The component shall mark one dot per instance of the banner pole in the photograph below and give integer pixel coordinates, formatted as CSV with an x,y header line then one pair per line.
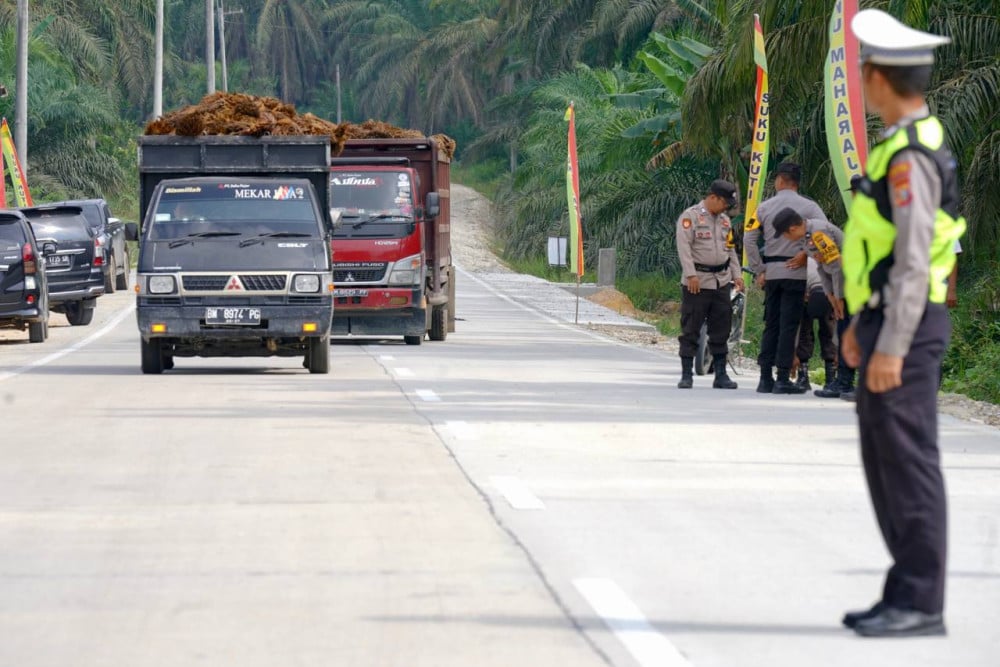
x,y
576,318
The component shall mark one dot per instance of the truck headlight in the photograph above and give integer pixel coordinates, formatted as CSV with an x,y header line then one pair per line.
x,y
161,285
406,271
305,283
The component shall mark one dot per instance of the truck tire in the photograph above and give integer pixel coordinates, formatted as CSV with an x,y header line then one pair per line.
x,y
80,313
38,332
413,340
439,323
109,277
152,356
121,282
318,355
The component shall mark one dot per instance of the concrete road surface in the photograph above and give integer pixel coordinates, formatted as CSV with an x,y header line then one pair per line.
x,y
523,494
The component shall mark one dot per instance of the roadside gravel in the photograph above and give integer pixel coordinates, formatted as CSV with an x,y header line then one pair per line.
x,y
472,231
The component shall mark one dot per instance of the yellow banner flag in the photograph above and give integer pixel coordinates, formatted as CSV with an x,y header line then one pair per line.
x,y
22,195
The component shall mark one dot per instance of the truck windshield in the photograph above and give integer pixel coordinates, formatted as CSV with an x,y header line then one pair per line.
x,y
382,199
233,209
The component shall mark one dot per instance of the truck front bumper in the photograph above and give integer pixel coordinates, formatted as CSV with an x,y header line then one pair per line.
x,y
188,322
380,311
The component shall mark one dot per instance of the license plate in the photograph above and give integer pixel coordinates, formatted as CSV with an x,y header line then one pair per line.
x,y
350,292
244,316
58,260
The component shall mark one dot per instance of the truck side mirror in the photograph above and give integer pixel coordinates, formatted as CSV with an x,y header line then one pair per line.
x,y
131,231
433,207
336,216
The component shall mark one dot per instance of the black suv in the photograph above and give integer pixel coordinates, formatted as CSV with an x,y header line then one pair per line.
x,y
24,299
111,234
73,260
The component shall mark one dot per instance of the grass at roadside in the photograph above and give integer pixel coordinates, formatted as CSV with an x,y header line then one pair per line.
x,y
483,177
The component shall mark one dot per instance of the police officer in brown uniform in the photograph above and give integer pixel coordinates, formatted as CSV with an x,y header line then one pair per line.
x,y
709,265
899,249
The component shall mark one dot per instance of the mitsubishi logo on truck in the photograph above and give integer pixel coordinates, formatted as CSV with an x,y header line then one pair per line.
x,y
234,284
349,278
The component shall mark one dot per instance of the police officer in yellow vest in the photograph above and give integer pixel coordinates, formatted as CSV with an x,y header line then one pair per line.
x,y
899,249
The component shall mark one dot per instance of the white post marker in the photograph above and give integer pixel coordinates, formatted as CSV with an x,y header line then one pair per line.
x,y
649,647
517,493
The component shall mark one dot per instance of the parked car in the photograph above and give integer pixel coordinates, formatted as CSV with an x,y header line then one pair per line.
x,y
111,233
24,302
74,260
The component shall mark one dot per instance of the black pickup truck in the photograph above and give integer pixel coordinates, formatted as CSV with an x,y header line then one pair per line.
x,y
112,235
234,256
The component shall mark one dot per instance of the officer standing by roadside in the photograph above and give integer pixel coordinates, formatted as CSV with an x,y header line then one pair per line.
x,y
709,265
781,271
899,250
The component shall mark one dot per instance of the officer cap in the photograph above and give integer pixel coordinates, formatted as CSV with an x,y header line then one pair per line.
x,y
886,41
725,190
785,220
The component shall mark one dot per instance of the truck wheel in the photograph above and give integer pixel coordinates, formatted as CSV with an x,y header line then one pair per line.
x,y
80,313
439,323
121,282
38,332
152,356
109,277
414,340
318,355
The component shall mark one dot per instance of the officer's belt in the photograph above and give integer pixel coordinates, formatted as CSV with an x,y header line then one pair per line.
x,y
776,258
705,268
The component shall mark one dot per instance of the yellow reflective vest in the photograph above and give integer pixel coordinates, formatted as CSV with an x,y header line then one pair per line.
x,y
870,234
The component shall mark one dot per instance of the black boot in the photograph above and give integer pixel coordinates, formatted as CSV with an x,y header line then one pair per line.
x,y
687,373
847,387
722,380
833,382
784,385
803,379
766,384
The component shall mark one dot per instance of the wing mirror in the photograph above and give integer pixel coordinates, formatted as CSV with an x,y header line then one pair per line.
x,y
433,207
336,218
131,231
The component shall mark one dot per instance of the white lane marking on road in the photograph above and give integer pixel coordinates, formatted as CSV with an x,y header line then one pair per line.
x,y
387,357
462,430
428,395
403,372
72,348
649,647
517,493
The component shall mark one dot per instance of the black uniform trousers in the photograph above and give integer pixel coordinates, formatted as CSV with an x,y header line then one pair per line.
x,y
842,326
710,304
899,449
782,313
817,314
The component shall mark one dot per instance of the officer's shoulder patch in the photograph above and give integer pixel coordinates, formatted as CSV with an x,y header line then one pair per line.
x,y
751,224
826,247
899,183
686,222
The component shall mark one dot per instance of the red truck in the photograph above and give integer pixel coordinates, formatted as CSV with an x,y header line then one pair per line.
x,y
393,272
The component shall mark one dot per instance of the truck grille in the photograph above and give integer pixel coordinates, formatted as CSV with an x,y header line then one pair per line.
x,y
357,275
251,282
263,283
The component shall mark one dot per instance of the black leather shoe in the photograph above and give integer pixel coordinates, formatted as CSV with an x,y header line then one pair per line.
x,y
849,396
765,386
723,381
686,382
783,386
831,390
851,618
892,622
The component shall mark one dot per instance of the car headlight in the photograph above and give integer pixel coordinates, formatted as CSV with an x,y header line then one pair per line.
x,y
161,285
305,283
406,271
